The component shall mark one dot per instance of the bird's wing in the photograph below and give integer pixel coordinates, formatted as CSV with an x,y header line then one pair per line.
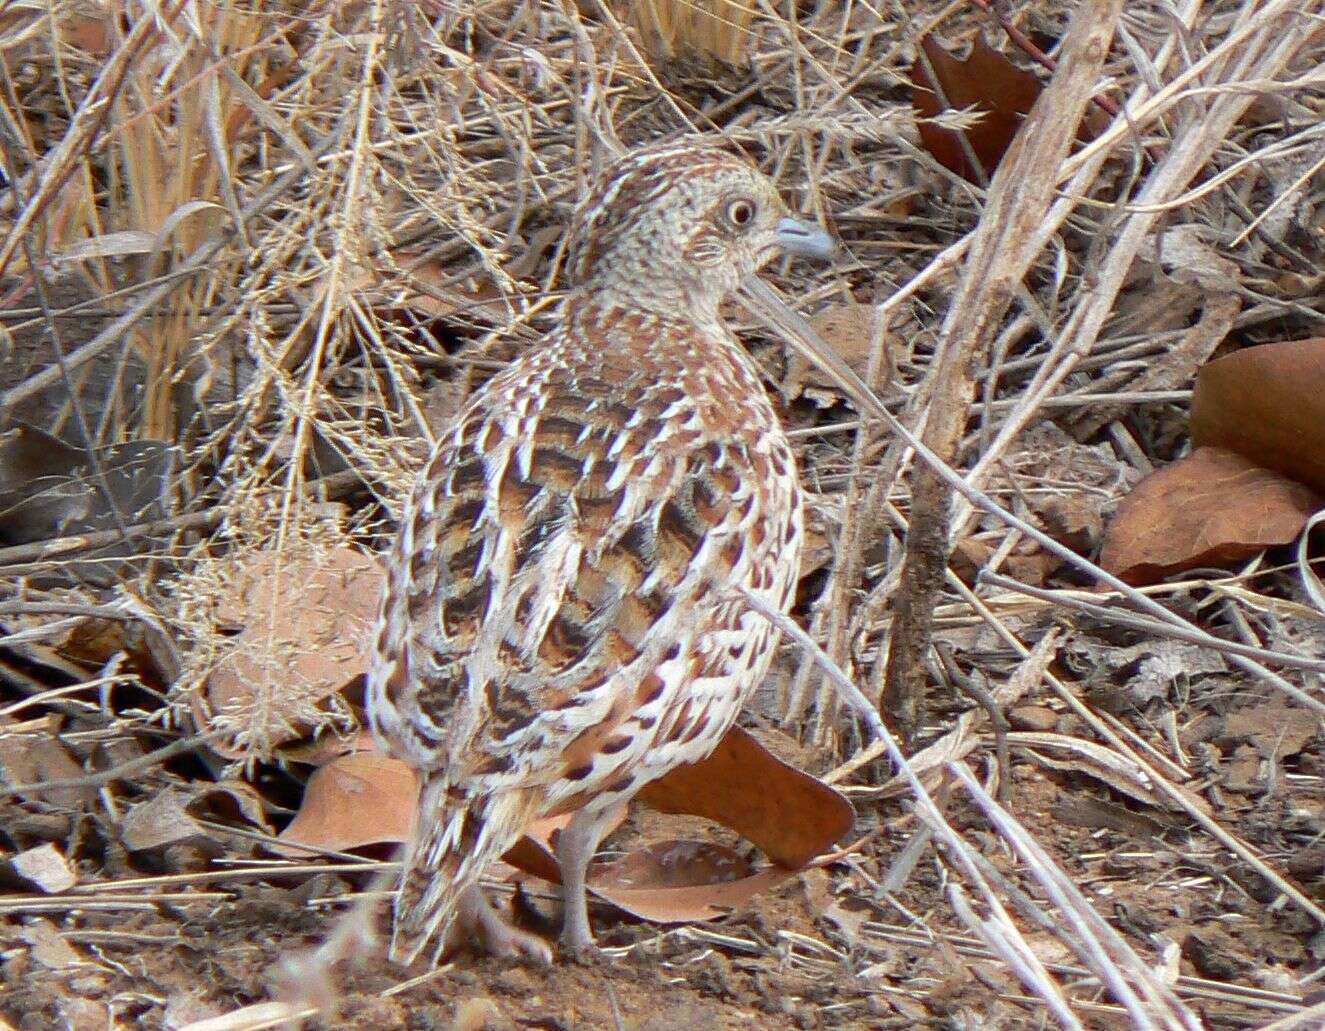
x,y
567,546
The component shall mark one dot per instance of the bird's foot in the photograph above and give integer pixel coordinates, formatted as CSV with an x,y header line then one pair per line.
x,y
498,936
589,955
577,942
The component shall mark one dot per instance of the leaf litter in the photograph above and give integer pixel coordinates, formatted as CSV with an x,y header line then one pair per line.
x,y
287,376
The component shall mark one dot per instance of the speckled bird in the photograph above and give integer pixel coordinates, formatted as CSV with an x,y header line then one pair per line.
x,y
559,626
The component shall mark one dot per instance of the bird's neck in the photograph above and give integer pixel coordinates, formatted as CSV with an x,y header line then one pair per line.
x,y
634,290
612,322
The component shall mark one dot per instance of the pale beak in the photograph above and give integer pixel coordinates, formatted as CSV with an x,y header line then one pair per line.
x,y
804,238
764,302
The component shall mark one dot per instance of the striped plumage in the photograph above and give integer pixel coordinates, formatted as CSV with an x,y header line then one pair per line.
x,y
559,627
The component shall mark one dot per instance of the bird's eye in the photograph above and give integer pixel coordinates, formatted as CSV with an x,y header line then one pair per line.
x,y
740,213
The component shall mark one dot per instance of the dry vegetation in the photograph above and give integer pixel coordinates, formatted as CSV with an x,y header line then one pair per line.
x,y
254,255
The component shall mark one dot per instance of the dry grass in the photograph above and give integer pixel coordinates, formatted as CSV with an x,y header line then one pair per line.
x,y
288,239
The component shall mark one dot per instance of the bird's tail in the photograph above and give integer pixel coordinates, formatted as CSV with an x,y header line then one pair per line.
x,y
455,839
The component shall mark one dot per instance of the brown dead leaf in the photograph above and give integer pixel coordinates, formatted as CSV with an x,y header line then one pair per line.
x,y
50,488
161,821
849,330
1184,253
986,81
1122,773
1272,726
1267,403
1212,507
667,882
24,28
849,917
322,749
675,881
304,623
407,285
172,817
480,1014
790,815
33,756
231,800
366,798
994,87
433,290
673,864
1073,518
90,33
363,798
816,552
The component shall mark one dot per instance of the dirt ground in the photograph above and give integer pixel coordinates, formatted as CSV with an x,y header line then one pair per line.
x,y
826,950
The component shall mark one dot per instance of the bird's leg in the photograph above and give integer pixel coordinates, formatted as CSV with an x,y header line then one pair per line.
x,y
477,916
576,845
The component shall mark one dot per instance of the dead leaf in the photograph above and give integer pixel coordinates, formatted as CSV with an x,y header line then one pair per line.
x,y
161,821
367,798
50,488
230,799
673,864
305,623
189,1007
320,750
1275,728
791,816
1176,366
678,881
1182,251
849,330
45,867
37,757
172,817
1097,814
848,921
363,798
1076,755
480,1014
1073,518
417,283
988,82
24,28
1267,403
1150,670
434,291
90,33
657,882
1212,507
49,948
816,552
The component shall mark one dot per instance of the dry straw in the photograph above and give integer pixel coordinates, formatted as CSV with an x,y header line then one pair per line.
x,y
289,238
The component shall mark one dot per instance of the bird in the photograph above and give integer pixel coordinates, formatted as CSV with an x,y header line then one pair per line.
x,y
560,624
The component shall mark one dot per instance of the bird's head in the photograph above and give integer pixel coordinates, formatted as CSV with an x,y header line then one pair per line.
x,y
683,223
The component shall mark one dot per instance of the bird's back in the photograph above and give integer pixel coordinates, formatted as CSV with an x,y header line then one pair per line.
x,y
560,614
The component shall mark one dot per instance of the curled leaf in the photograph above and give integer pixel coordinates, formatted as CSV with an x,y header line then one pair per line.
x,y
986,81
1212,507
790,815
364,798
1267,403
